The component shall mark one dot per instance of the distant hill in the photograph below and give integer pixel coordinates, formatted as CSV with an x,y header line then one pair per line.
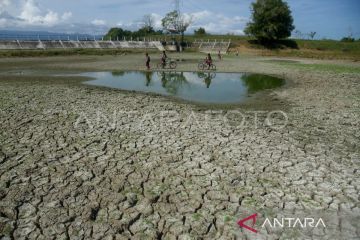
x,y
43,35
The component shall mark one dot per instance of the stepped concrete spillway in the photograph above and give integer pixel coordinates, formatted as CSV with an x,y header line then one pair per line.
x,y
59,44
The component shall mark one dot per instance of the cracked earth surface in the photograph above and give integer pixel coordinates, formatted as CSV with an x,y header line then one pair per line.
x,y
79,162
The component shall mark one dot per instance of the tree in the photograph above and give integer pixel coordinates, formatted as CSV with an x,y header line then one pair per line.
x,y
312,34
348,39
144,31
298,34
200,31
117,33
271,20
176,23
148,23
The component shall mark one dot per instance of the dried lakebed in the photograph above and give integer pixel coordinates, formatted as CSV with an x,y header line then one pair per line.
x,y
83,162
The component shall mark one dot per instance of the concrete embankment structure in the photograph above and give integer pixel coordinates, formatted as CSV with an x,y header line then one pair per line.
x,y
206,47
213,47
59,44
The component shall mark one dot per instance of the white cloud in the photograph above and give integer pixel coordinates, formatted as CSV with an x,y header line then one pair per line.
x,y
135,25
4,4
30,12
3,22
31,15
218,23
66,16
98,22
157,20
201,15
6,19
51,18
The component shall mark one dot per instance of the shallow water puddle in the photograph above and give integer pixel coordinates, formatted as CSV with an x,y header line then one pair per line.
x,y
203,87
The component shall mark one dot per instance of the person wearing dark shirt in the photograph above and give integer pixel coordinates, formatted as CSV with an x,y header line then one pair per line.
x,y
208,60
163,58
147,58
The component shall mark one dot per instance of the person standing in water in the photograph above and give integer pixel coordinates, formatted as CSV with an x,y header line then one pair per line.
x,y
147,58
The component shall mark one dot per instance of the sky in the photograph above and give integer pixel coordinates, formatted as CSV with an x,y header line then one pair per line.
x,y
328,18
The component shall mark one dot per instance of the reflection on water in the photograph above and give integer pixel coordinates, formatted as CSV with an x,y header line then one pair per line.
x,y
207,76
206,87
258,82
173,82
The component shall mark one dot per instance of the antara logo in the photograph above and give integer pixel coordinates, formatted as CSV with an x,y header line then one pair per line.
x,y
241,223
282,223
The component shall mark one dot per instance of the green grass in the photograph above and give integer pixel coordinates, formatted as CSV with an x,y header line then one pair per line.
x,y
321,49
196,216
329,45
228,219
249,201
320,45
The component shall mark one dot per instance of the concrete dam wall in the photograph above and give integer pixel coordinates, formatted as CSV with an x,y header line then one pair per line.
x,y
59,44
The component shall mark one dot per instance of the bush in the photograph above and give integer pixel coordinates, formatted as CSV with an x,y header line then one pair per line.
x,y
119,33
348,39
200,31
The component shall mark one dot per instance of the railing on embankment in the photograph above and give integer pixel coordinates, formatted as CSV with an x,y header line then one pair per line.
x,y
70,44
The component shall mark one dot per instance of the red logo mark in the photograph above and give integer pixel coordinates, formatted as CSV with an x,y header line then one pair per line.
x,y
253,217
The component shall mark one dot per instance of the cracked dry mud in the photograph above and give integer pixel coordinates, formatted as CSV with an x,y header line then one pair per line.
x,y
79,162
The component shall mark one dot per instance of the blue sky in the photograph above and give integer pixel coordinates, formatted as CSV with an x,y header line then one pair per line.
x,y
329,18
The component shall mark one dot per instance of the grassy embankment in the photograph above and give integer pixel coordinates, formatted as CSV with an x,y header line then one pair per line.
x,y
319,49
